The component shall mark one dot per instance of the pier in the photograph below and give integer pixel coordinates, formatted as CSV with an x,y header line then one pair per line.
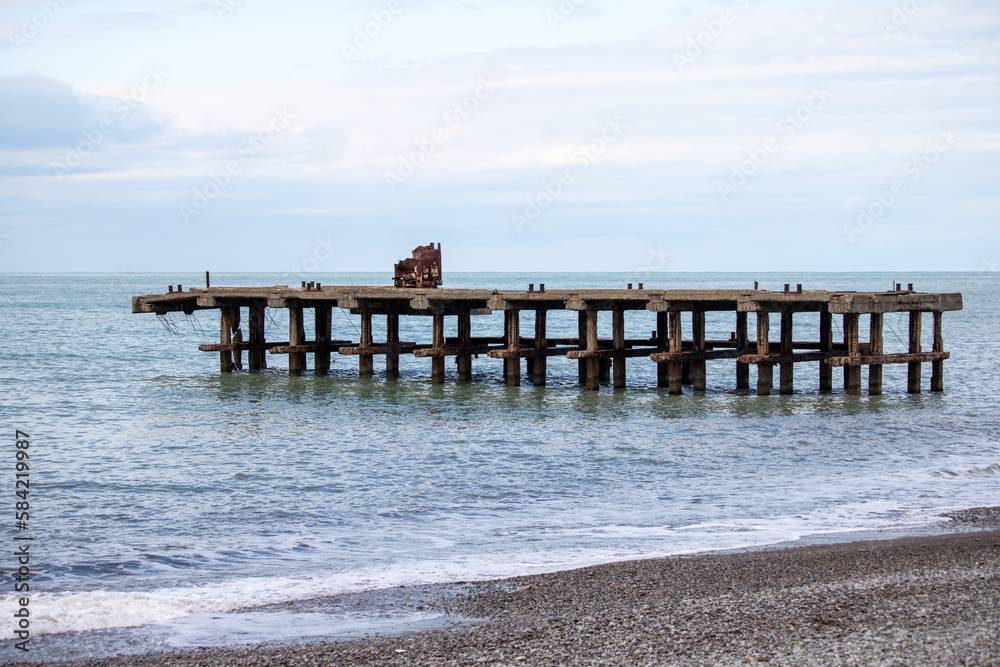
x,y
679,361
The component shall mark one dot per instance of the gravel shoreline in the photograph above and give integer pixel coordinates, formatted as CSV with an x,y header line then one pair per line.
x,y
915,600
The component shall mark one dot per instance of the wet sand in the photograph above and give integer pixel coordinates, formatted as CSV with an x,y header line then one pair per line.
x,y
927,600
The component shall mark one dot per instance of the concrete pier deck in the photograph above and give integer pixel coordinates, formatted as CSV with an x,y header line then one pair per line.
x,y
679,361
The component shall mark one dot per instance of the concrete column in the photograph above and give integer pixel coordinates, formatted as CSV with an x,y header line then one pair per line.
x,y
765,372
237,333
321,358
512,333
937,367
674,372
538,368
851,334
258,356
437,363
618,343
663,342
825,345
847,369
296,336
392,338
581,322
876,347
787,370
228,315
366,362
742,370
699,380
464,360
593,364
913,374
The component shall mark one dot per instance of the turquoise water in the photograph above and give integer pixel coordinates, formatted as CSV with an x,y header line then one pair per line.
x,y
163,491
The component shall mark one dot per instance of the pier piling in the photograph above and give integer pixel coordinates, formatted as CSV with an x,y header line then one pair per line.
x,y
786,381
662,342
464,359
593,363
229,320
742,369
826,347
699,368
765,369
876,348
366,360
296,340
437,361
392,345
852,372
676,376
618,345
913,371
258,345
512,365
541,344
937,366
323,327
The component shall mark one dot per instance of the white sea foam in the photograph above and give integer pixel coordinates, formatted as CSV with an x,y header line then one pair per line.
x,y
93,610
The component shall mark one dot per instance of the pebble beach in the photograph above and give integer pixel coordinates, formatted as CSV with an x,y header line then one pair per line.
x,y
924,600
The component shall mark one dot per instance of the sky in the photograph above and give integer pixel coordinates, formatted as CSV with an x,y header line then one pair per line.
x,y
524,135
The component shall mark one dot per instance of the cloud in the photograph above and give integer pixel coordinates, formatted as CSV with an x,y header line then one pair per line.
x,y
121,21
40,112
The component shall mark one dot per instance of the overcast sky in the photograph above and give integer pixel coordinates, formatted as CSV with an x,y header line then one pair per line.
x,y
594,135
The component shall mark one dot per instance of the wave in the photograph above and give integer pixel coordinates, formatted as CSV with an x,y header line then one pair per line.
x,y
61,612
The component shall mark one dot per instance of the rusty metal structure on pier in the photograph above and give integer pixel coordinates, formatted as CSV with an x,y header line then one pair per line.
x,y
678,360
421,270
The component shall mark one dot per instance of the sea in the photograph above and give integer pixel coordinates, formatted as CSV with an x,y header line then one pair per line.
x,y
173,506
